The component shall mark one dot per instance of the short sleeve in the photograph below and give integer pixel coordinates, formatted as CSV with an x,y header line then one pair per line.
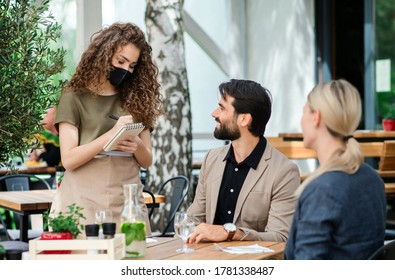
x,y
67,110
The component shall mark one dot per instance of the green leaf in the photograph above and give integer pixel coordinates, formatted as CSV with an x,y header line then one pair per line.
x,y
66,222
27,86
133,231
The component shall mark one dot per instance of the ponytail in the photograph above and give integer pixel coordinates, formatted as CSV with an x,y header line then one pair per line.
x,y
340,106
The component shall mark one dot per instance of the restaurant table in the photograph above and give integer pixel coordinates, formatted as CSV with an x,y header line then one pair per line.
x,y
27,203
390,189
360,135
165,249
37,170
372,149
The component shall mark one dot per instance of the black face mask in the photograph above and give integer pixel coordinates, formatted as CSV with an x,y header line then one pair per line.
x,y
118,76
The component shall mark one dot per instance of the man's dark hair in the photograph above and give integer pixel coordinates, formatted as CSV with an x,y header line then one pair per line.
x,y
250,97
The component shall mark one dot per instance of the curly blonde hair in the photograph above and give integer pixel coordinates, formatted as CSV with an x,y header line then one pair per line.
x,y
141,95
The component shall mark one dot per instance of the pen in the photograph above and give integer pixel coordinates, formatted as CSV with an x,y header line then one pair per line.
x,y
112,116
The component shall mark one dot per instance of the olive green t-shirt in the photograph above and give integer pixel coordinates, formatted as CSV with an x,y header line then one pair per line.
x,y
89,113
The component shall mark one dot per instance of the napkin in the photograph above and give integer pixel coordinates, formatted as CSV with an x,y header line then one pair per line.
x,y
250,249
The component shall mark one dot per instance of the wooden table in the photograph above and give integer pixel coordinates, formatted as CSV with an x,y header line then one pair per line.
x,y
27,203
165,249
360,135
390,189
371,143
159,198
39,170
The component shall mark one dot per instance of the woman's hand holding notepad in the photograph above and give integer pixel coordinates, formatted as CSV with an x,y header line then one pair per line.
x,y
132,129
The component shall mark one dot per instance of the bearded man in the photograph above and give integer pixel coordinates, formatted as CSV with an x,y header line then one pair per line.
x,y
246,188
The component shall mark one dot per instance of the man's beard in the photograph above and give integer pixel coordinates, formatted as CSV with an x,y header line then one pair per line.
x,y
226,133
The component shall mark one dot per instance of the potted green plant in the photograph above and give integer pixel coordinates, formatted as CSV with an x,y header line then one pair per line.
x,y
389,118
63,225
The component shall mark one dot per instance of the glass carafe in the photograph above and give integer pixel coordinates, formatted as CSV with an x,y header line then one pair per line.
x,y
133,222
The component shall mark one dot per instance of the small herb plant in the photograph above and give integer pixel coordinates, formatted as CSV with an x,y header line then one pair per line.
x,y
390,112
66,222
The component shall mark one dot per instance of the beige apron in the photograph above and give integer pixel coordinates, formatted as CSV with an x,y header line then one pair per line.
x,y
97,185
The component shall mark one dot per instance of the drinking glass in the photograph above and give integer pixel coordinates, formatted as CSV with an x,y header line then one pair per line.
x,y
184,226
103,216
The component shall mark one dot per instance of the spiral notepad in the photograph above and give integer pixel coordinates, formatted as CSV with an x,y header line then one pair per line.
x,y
128,129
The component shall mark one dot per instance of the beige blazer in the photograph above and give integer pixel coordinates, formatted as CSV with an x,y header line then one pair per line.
x,y
266,202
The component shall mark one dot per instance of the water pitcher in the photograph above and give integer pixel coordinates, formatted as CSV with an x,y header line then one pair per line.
x,y
133,222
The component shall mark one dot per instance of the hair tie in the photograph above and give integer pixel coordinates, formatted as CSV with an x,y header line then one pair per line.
x,y
345,138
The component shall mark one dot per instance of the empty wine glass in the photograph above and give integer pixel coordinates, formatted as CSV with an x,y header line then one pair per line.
x,y
103,216
184,226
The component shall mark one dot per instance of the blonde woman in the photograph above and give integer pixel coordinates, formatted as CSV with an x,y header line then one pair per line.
x,y
341,210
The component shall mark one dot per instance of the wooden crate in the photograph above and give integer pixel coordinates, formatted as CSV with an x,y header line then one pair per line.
x,y
114,249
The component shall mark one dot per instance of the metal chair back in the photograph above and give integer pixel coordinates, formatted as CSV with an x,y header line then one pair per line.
x,y
386,252
21,182
151,206
180,187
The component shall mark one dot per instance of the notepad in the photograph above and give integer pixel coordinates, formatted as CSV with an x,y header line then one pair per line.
x,y
128,129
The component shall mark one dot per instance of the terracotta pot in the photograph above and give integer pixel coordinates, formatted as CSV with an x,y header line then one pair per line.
x,y
388,125
56,236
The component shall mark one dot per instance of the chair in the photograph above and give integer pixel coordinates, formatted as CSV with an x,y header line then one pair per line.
x,y
387,167
387,159
390,229
10,244
3,230
386,252
151,206
22,182
180,185
15,245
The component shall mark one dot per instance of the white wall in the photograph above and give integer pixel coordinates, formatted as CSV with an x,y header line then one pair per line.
x,y
204,75
124,11
281,52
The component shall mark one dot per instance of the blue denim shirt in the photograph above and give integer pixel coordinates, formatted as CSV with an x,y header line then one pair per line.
x,y
339,216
